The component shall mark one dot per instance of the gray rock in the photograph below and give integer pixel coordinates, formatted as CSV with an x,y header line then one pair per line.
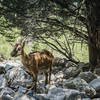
x,y
8,67
17,84
49,86
60,61
28,97
80,85
96,85
7,97
41,97
65,94
9,64
2,69
59,75
58,81
22,89
18,75
84,66
29,93
71,72
97,71
19,81
23,97
7,91
87,76
86,99
3,81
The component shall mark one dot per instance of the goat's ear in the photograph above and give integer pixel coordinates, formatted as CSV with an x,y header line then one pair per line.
x,y
23,44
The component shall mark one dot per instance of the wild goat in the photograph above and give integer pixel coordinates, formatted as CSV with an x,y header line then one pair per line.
x,y
35,62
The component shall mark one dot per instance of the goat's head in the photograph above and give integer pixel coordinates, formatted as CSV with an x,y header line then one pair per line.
x,y
18,48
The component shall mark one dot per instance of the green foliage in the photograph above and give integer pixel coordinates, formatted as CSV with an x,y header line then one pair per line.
x,y
9,32
78,52
46,21
5,47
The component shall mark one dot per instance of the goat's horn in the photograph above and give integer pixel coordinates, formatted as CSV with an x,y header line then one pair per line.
x,y
20,39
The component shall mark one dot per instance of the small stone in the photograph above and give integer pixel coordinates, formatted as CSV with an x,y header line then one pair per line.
x,y
48,87
22,89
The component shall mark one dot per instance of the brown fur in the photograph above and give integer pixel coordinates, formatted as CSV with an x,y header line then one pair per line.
x,y
39,61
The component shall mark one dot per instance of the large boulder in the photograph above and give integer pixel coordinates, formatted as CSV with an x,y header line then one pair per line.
x,y
65,94
72,71
81,85
60,61
68,82
9,64
16,77
96,85
59,64
87,76
28,97
7,93
68,68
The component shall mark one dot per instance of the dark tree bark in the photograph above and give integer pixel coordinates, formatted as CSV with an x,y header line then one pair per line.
x,y
93,17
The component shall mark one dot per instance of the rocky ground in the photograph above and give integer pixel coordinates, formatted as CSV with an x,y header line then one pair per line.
x,y
69,82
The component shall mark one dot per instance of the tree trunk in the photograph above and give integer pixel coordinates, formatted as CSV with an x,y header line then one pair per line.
x,y
93,26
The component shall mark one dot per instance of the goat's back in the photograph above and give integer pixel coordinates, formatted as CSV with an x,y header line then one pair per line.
x,y
43,59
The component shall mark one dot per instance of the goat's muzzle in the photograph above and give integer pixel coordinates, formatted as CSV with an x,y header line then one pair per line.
x,y
13,54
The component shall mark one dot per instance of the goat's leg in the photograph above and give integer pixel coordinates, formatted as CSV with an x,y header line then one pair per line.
x,y
50,71
46,78
35,84
35,79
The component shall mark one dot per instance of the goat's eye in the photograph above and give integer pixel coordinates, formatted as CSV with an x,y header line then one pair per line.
x,y
19,48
